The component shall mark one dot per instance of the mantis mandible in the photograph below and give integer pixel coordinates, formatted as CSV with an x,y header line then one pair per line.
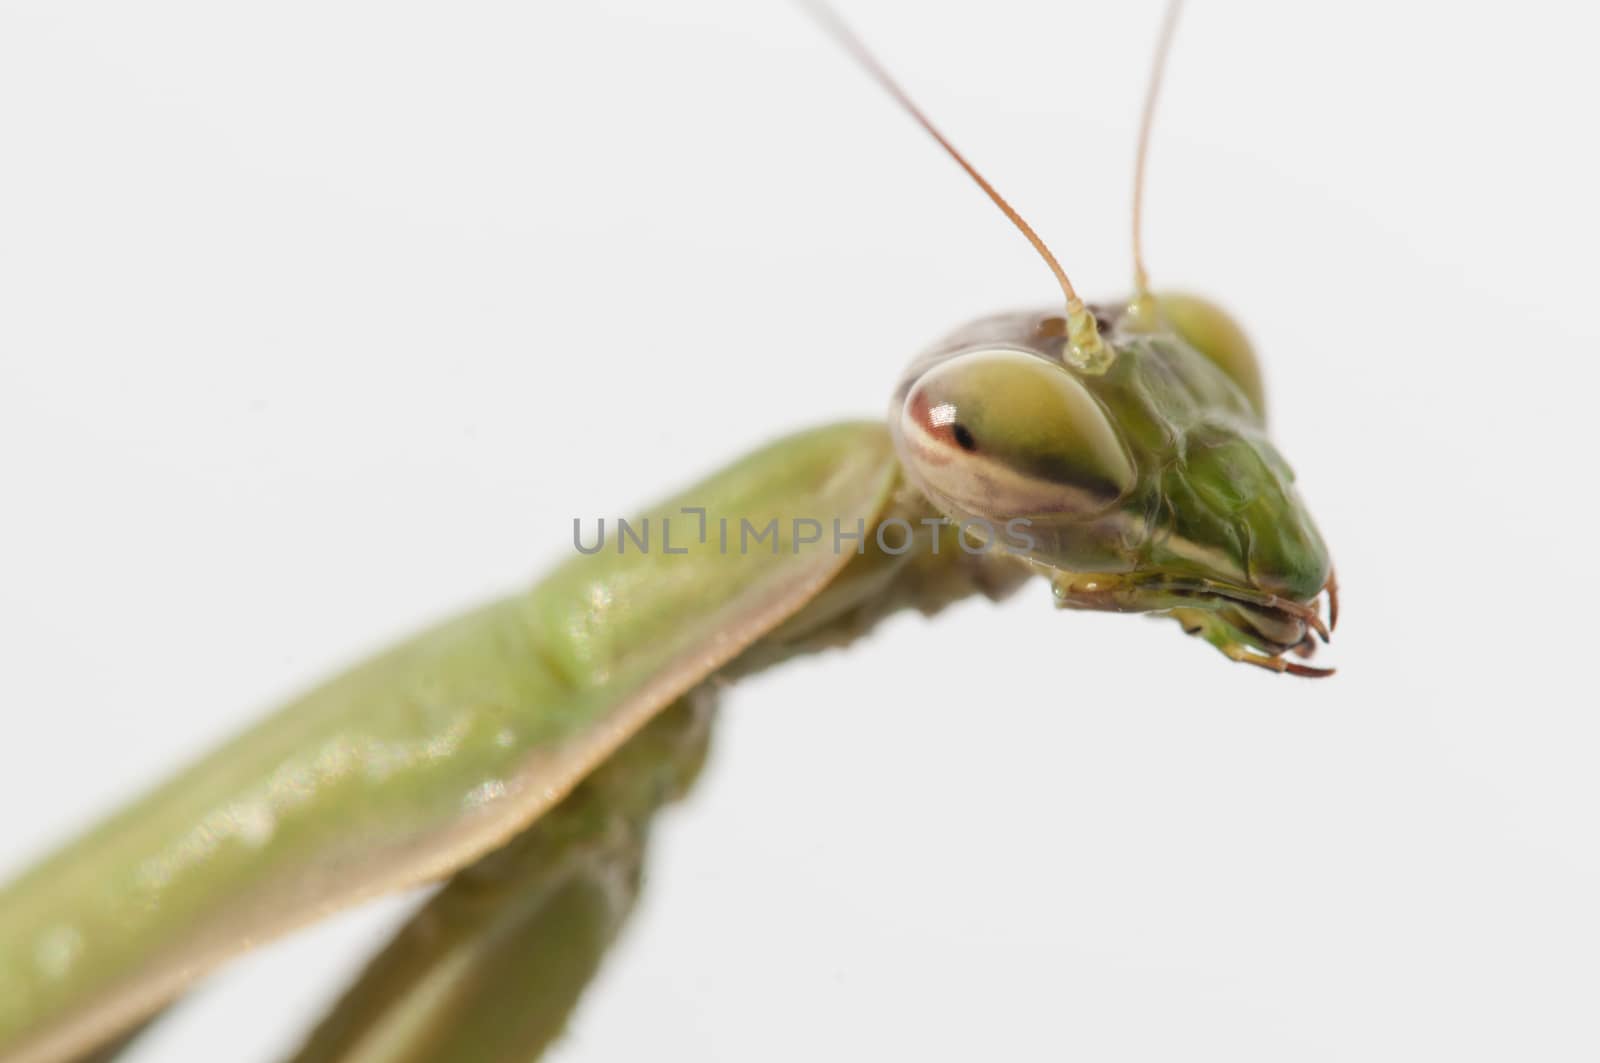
x,y
1117,450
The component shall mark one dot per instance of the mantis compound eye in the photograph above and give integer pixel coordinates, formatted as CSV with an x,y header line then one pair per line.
x,y
1209,329
1003,433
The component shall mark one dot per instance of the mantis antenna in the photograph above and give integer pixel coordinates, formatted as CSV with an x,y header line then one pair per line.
x,y
1082,333
1158,66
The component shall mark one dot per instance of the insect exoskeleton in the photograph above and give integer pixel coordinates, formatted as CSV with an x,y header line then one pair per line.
x,y
1140,482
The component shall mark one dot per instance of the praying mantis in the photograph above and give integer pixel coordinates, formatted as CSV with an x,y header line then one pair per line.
x,y
1118,451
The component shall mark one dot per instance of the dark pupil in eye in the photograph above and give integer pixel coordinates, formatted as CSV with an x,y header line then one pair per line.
x,y
964,438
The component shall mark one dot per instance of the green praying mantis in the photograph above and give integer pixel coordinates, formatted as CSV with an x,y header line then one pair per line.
x,y
520,751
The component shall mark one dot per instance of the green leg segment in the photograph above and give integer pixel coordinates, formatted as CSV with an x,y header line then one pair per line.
x,y
489,970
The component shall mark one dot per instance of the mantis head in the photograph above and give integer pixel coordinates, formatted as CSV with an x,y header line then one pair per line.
x,y
1121,450
1145,485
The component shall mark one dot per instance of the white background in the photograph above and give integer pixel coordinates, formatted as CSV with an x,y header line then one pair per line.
x,y
320,320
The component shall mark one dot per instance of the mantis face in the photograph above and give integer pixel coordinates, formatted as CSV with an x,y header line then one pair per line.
x,y
1147,485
